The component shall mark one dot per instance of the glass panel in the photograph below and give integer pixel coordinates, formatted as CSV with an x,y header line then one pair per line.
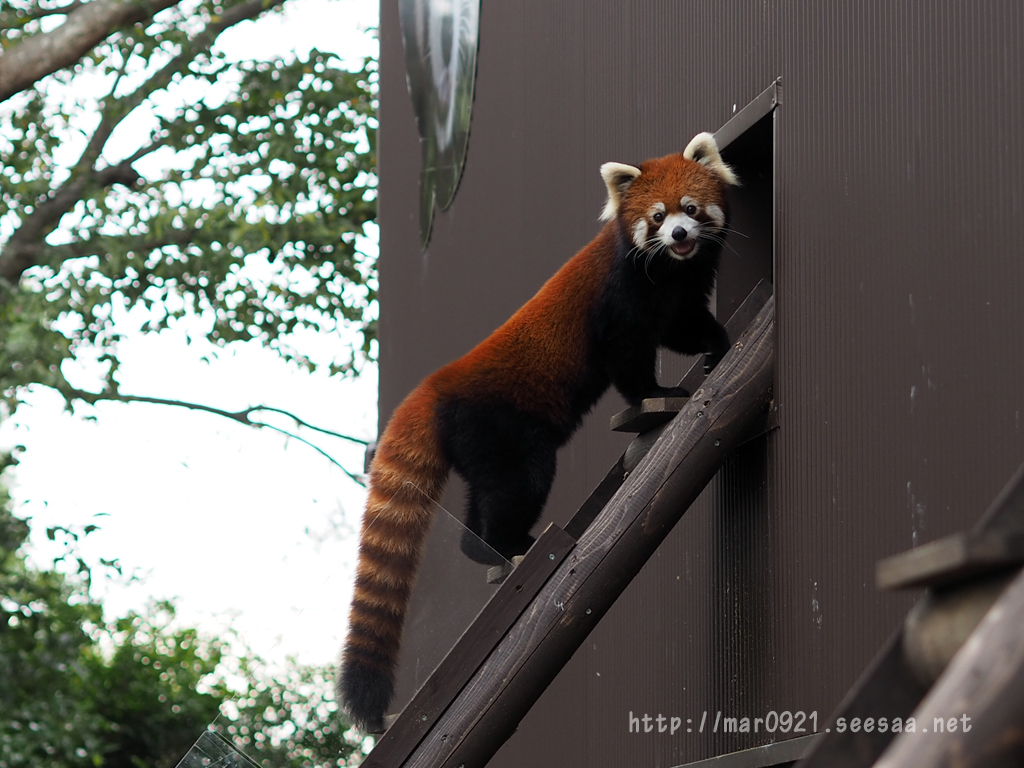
x,y
214,751
451,589
449,592
440,38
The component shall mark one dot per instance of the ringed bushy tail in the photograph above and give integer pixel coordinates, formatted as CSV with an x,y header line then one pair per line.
x,y
500,413
408,473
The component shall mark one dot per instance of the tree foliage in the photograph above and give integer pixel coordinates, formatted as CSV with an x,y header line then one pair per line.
x,y
154,174
146,177
82,691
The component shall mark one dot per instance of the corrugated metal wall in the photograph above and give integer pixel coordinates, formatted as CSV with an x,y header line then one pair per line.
x,y
899,284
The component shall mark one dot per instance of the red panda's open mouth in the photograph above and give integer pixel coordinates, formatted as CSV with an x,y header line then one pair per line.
x,y
684,248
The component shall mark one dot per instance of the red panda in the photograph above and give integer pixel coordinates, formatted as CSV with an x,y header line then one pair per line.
x,y
498,415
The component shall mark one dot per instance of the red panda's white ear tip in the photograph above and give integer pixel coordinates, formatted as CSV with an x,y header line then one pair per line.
x,y
617,177
703,149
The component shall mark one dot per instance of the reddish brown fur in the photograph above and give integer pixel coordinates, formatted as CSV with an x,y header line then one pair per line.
x,y
525,364
409,470
659,177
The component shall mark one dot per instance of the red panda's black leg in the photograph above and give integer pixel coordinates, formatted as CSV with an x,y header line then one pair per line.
x,y
633,374
698,332
508,487
507,459
471,545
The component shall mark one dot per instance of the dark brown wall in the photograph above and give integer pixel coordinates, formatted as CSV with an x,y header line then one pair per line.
x,y
899,284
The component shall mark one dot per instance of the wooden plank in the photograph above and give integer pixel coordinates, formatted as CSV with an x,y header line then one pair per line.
x,y
479,639
983,689
652,412
408,730
780,753
1006,513
607,557
614,478
887,689
889,680
948,560
597,500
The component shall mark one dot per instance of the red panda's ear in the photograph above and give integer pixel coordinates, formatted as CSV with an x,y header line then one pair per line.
x,y
704,150
617,177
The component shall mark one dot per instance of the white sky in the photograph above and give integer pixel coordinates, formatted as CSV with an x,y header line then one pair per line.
x,y
238,525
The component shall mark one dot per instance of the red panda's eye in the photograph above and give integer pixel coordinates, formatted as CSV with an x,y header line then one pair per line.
x,y
658,217
690,209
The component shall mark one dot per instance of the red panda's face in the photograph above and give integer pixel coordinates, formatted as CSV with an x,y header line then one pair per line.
x,y
676,213
674,205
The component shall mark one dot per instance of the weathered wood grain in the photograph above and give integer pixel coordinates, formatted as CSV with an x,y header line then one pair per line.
x,y
889,687
607,556
950,560
434,696
983,689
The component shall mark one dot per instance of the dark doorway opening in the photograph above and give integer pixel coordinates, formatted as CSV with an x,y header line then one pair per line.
x,y
747,143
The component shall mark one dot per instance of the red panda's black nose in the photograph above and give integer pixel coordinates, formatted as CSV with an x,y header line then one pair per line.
x,y
679,234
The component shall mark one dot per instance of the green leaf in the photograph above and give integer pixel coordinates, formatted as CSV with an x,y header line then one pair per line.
x,y
254,224
139,689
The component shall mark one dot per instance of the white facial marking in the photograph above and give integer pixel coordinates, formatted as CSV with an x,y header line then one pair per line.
x,y
656,208
664,235
640,233
687,200
717,215
688,223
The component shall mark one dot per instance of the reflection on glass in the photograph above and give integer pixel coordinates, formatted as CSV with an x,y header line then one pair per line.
x,y
440,39
213,751
450,591
287,719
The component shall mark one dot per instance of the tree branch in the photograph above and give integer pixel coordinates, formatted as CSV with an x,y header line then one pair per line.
x,y
63,10
22,249
41,253
201,43
28,242
354,478
85,27
243,417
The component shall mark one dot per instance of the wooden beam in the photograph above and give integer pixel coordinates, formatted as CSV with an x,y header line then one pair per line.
x,y
887,689
780,753
602,494
652,412
607,556
479,639
890,688
1006,514
950,560
982,689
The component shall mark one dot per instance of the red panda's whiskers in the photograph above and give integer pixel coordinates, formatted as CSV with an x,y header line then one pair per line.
x,y
716,237
633,253
725,229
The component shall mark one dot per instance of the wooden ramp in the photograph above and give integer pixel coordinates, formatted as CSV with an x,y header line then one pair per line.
x,y
550,602
956,665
